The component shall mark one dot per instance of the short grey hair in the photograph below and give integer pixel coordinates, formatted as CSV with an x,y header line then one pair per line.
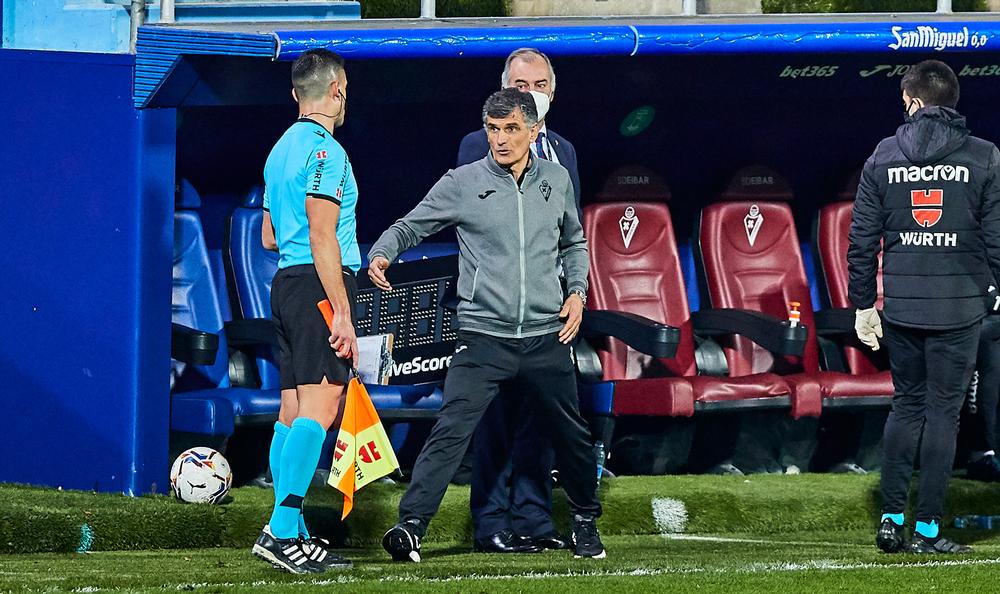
x,y
506,101
530,54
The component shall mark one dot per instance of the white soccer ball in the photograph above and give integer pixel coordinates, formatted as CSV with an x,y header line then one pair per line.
x,y
201,475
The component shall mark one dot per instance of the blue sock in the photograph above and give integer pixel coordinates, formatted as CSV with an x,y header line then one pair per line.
x,y
303,532
277,444
897,519
928,529
298,464
274,457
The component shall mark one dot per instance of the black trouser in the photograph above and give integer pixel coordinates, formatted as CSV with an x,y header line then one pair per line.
x,y
981,425
542,368
512,476
931,370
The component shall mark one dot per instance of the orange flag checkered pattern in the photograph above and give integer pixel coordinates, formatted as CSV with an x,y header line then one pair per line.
x,y
363,453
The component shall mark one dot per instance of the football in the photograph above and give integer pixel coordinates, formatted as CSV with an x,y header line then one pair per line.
x,y
201,475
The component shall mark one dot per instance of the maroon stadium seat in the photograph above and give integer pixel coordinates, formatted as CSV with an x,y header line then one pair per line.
x,y
635,268
750,258
833,222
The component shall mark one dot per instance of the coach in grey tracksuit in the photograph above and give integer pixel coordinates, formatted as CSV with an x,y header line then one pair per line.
x,y
511,232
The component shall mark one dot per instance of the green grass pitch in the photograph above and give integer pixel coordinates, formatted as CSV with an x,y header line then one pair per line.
x,y
769,534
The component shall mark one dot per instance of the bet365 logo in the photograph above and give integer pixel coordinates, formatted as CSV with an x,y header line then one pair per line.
x,y
808,72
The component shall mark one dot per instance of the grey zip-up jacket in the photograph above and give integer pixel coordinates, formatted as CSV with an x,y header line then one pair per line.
x,y
510,240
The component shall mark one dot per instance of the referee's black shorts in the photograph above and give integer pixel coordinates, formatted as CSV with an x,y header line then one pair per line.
x,y
303,336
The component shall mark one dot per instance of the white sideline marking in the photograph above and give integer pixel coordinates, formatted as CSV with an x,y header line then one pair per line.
x,y
758,541
670,515
776,567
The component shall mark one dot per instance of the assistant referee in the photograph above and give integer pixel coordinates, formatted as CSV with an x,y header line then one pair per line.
x,y
309,202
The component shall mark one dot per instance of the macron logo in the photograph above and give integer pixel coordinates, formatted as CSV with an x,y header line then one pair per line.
x,y
959,173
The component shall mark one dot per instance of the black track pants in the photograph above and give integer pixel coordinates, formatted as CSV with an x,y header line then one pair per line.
x,y
931,370
541,367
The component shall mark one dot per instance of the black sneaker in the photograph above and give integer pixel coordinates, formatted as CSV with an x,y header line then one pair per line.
x,y
586,539
402,542
847,468
939,545
319,551
286,554
552,541
725,468
889,537
986,469
505,541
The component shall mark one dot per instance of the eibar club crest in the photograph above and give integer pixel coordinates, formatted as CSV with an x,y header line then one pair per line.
x,y
752,223
546,189
627,224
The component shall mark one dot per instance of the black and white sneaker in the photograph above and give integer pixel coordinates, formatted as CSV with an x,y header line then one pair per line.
x,y
939,545
319,551
286,554
586,539
889,537
402,542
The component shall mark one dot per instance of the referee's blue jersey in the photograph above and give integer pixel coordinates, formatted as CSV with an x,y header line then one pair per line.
x,y
307,161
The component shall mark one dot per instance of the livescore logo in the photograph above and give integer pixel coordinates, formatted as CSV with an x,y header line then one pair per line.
x,y
420,364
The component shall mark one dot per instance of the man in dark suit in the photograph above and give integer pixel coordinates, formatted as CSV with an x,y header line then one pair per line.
x,y
511,496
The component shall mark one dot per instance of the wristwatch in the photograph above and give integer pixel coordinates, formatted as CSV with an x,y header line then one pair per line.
x,y
581,293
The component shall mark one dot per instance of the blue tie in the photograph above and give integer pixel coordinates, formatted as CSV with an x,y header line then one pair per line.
x,y
540,146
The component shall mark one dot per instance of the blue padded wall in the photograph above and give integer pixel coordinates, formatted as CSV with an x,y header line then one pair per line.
x,y
85,352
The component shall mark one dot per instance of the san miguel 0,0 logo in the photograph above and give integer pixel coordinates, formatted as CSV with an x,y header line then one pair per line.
x,y
927,37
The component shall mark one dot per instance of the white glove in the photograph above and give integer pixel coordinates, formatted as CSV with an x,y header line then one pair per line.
x,y
868,327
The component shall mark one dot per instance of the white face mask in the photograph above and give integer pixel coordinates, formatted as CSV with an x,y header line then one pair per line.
x,y
541,104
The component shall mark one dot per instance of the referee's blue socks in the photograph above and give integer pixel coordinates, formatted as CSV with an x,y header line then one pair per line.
x,y
274,457
277,445
299,458
928,530
897,519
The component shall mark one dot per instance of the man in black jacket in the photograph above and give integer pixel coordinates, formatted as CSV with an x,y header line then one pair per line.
x,y
931,196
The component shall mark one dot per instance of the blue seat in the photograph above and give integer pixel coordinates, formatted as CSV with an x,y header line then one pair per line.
x,y
203,401
250,269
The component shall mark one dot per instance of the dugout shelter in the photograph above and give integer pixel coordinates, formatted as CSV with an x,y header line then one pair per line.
x,y
97,145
